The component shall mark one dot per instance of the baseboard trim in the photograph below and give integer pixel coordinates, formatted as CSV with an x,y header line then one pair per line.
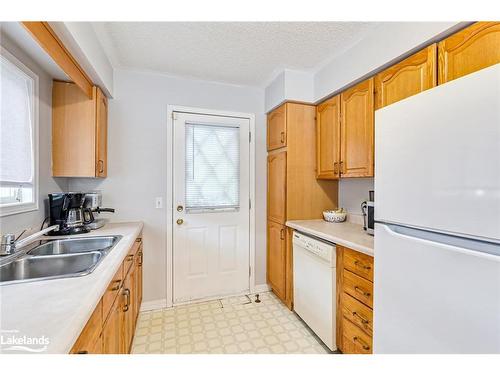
x,y
154,305
261,288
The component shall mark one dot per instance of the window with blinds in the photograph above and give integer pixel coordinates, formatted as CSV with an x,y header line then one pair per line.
x,y
212,167
18,96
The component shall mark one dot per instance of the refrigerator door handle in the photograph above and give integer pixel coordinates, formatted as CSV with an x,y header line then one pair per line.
x,y
465,245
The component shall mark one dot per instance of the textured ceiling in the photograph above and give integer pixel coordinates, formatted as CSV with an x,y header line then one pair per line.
x,y
243,53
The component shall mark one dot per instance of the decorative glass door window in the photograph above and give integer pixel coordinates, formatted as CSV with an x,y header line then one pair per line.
x,y
212,167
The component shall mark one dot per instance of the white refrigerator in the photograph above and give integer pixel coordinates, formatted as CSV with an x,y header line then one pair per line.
x,y
437,214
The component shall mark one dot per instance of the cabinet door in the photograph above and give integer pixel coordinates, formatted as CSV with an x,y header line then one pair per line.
x,y
471,49
101,134
276,128
138,281
357,131
328,139
126,319
73,131
90,341
411,76
276,258
111,332
276,187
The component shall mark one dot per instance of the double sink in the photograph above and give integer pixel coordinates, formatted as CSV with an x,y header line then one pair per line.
x,y
60,258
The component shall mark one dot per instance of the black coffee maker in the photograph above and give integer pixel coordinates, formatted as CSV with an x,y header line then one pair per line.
x,y
66,210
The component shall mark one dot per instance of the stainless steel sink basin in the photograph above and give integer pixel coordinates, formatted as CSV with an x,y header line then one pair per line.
x,y
59,258
50,267
75,245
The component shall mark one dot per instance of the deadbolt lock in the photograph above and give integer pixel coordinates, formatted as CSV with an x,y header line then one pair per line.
x,y
180,208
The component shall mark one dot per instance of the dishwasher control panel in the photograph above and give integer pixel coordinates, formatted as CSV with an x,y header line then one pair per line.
x,y
319,248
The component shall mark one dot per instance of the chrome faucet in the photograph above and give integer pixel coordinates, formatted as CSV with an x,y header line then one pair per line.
x,y
10,245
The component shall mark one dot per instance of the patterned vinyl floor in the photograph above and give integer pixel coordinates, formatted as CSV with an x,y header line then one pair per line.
x,y
232,325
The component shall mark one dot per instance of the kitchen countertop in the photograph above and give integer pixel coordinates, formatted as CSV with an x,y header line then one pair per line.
x,y
59,309
346,234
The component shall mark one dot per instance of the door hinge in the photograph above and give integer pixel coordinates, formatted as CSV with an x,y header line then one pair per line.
x,y
249,271
250,203
249,137
174,115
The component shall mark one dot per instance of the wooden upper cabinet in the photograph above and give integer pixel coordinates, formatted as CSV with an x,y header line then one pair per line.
x,y
357,145
276,187
328,139
471,49
411,76
276,258
79,132
276,128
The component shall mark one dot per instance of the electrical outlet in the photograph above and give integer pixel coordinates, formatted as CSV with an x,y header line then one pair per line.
x,y
159,202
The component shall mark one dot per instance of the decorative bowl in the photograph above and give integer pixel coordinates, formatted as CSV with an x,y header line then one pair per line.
x,y
335,216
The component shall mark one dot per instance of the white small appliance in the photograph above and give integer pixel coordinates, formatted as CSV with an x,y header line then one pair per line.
x,y
437,219
314,285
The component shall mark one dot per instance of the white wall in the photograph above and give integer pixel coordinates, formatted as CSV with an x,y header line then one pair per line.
x,y
137,158
353,191
289,85
33,220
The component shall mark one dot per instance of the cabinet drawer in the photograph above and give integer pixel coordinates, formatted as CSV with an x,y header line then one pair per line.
x,y
86,342
357,313
358,263
354,340
111,292
129,258
359,288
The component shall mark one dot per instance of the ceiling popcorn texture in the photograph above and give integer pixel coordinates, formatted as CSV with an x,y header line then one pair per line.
x,y
242,53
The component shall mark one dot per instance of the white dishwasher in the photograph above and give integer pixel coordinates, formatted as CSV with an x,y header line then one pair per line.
x,y
314,285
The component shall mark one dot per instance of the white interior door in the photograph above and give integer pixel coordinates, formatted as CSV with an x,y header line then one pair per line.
x,y
211,219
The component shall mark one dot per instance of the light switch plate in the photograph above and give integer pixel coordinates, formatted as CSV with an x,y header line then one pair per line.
x,y
159,202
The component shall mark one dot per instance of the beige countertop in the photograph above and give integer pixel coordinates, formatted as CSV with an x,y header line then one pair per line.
x,y
57,310
346,234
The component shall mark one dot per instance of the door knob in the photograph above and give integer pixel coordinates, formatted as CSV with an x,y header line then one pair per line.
x,y
180,221
180,208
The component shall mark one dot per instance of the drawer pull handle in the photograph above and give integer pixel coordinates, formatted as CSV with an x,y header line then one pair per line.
x,y
358,263
130,257
82,352
126,293
282,234
363,320
117,285
359,290
363,344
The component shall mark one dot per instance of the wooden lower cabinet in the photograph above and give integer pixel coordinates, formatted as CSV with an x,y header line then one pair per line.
x,y
276,258
90,340
354,301
127,312
111,328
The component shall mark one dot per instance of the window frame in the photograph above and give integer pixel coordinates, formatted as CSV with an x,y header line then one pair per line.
x,y
17,208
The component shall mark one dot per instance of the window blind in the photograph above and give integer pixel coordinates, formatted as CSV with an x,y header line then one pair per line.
x,y
212,167
16,125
